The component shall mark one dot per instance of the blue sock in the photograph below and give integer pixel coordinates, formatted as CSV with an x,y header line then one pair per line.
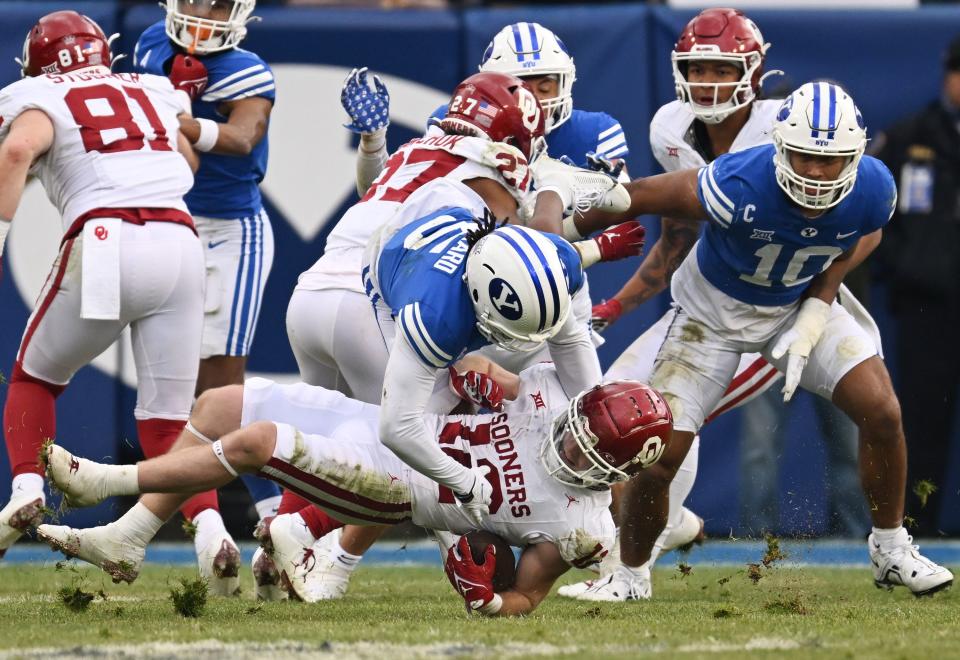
x,y
262,490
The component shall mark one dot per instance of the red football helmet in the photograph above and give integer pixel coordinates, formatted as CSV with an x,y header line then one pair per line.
x,y
720,34
607,435
499,107
64,41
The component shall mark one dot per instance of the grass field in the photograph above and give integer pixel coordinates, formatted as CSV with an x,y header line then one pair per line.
x,y
411,612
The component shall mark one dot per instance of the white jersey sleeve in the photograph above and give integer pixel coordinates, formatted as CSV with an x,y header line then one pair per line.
x,y
115,144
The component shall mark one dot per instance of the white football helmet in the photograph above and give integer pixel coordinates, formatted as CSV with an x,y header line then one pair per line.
x,y
529,49
519,287
820,119
207,35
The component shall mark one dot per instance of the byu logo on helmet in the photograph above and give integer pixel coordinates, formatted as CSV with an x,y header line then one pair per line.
x,y
785,109
505,299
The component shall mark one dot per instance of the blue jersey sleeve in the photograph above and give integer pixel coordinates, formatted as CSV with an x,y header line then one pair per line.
x,y
611,140
881,190
425,330
152,50
238,74
719,188
572,265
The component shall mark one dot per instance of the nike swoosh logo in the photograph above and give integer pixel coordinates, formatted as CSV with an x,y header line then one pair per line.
x,y
213,244
840,237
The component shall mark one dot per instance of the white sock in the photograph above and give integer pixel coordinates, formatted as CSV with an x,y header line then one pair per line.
x,y
641,572
139,524
28,483
890,538
268,507
122,479
208,524
343,559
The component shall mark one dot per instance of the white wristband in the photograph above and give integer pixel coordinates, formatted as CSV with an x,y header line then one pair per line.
x,y
209,133
570,231
493,607
4,230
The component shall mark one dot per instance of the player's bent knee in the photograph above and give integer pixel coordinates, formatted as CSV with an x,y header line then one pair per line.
x,y
217,411
250,448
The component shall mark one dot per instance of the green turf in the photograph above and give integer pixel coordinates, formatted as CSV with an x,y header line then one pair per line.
x,y
712,612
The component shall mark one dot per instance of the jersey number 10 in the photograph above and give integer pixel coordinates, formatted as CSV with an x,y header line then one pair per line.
x,y
93,126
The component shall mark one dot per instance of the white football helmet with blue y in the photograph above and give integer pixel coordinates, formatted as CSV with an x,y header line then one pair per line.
x,y
818,119
529,49
208,26
518,286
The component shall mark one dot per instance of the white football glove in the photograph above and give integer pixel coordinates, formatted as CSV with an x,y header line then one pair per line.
x,y
579,189
476,503
799,340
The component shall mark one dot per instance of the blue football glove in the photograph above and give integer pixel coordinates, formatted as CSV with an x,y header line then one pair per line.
x,y
369,109
605,165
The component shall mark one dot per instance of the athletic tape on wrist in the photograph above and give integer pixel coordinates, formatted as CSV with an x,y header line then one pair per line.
x,y
193,429
218,452
570,231
209,133
493,607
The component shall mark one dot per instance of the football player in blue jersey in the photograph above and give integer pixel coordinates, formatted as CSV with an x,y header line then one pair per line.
x,y
231,94
787,222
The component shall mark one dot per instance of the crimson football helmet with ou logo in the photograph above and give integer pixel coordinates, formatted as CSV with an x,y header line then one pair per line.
x,y
498,107
720,34
64,41
607,435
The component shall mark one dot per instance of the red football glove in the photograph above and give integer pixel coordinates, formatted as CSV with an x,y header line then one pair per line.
x,y
477,388
189,75
621,241
473,582
604,314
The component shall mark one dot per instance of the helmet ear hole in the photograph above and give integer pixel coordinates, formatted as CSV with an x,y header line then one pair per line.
x,y
476,296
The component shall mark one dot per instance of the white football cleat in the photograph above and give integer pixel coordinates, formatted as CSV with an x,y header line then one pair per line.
x,y
581,188
289,542
621,585
106,547
81,481
266,577
219,563
687,533
21,513
574,590
328,581
903,565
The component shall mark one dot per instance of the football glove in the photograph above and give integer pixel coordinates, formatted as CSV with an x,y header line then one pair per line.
x,y
604,314
188,75
369,109
476,502
799,340
478,388
617,242
473,582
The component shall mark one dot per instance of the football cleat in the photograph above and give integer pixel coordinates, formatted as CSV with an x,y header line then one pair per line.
x,y
686,534
21,513
219,563
574,590
621,585
266,577
329,581
289,543
106,547
582,189
903,565
81,481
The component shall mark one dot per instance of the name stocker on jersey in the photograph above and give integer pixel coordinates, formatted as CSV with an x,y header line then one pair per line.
x,y
226,186
100,159
420,274
583,132
759,248
528,505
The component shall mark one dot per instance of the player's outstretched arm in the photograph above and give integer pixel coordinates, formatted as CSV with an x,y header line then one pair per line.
x,y
575,357
369,112
673,194
653,275
29,137
243,131
539,567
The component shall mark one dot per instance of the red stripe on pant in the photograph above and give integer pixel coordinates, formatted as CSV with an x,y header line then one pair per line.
x,y
323,493
759,385
30,414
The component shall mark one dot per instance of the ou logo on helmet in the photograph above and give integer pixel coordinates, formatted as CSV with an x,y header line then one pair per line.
x,y
530,108
651,451
505,300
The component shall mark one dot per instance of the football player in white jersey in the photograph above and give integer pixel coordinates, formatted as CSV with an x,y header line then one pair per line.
x,y
109,153
485,144
549,460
